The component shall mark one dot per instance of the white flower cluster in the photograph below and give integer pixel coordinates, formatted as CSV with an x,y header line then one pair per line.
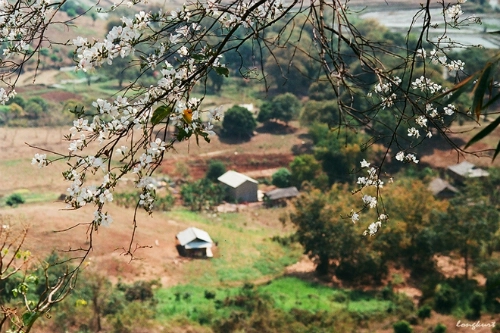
x,y
453,65
374,227
19,22
453,12
406,158
386,92
372,179
40,160
425,84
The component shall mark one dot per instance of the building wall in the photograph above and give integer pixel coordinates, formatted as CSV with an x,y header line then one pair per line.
x,y
245,192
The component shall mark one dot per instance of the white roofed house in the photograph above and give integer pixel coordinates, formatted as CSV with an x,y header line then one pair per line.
x,y
194,242
240,187
441,189
465,170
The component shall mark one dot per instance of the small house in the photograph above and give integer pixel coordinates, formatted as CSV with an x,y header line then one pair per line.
x,y
442,189
278,197
465,170
194,242
239,186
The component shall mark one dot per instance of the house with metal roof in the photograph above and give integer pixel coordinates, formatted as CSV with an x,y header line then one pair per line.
x,y
239,186
194,242
442,189
279,196
465,170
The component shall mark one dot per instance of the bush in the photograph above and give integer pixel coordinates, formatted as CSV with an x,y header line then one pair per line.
x,y
440,328
202,194
215,170
476,303
14,200
445,298
130,199
281,178
209,294
424,312
402,327
238,122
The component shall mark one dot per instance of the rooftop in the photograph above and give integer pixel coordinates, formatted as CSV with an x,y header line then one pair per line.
x,y
191,234
235,179
281,193
467,169
437,185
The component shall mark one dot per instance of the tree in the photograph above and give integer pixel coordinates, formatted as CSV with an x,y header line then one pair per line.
x,y
305,168
466,226
283,107
238,122
323,235
281,178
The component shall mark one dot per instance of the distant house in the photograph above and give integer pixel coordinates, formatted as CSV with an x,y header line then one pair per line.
x,y
278,197
465,170
441,189
194,242
240,187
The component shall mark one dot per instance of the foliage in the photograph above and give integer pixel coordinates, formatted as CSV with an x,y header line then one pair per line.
x,y
238,122
202,194
284,107
445,298
216,169
14,200
466,227
338,151
402,327
424,312
130,199
305,168
440,328
476,304
327,237
282,178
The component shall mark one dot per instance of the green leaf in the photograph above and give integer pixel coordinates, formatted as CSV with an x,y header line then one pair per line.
x,y
222,71
480,89
458,89
491,101
496,151
160,113
29,318
181,134
487,130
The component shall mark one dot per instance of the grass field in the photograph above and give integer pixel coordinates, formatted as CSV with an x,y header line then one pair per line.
x,y
194,302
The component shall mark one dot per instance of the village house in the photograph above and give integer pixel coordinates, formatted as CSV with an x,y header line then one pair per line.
x,y
460,172
240,187
194,242
279,196
442,189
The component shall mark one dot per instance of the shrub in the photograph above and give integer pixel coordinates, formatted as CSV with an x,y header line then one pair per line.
x,y
476,303
215,170
445,298
209,294
440,328
424,312
402,327
281,178
130,199
14,200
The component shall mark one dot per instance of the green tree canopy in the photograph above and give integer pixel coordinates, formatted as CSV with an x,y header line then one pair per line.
x,y
238,123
